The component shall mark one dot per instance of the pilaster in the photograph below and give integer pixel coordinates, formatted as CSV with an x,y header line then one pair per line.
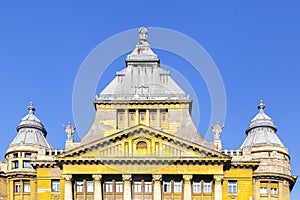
x,y
156,178
187,187
218,186
97,187
68,187
127,186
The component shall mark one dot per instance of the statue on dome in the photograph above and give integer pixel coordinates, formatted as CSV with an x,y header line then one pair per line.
x,y
70,130
143,34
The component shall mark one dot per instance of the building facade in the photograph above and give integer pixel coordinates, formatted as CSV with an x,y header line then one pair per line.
x,y
143,145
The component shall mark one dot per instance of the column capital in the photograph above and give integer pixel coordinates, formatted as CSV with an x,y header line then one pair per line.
x,y
218,177
97,177
156,177
187,177
126,177
67,177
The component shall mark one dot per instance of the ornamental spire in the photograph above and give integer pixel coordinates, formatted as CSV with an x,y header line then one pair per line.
x,y
31,108
261,106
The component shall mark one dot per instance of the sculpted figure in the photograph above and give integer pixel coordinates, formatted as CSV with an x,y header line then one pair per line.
x,y
70,130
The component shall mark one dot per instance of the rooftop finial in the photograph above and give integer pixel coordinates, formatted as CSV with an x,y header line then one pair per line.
x,y
261,106
31,108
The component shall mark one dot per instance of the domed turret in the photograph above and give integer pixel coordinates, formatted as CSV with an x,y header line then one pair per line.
x,y
262,144
261,130
31,131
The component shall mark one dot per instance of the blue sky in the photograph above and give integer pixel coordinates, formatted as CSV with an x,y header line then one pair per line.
x,y
255,46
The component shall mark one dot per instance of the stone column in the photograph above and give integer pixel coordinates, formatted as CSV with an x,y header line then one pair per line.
x,y
187,187
97,187
156,186
126,117
158,118
68,187
127,186
218,187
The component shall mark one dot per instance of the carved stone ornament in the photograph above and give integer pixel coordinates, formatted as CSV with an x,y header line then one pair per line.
x,y
55,172
187,177
156,177
67,177
97,177
126,177
218,178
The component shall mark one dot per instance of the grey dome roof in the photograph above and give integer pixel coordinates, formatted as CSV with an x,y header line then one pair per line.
x,y
261,131
31,131
143,78
261,119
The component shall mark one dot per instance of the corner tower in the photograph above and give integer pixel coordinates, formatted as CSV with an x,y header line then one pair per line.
x,y
143,93
273,176
29,142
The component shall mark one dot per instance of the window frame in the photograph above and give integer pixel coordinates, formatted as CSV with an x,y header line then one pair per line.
x,y
197,184
55,185
89,186
26,164
17,187
79,186
232,186
15,164
26,187
207,187
167,187
108,187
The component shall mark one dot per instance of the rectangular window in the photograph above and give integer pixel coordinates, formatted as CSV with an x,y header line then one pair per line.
x,y
121,116
55,185
167,186
131,116
27,155
263,188
79,186
26,187
15,164
152,116
108,187
196,187
15,155
119,186
89,186
148,187
17,187
142,116
137,187
26,164
207,187
163,116
274,188
232,186
177,186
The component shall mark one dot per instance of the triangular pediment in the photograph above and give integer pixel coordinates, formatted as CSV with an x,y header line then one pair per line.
x,y
140,142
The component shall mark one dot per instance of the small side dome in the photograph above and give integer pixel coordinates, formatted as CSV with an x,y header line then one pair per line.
x,y
261,130
261,119
31,131
31,121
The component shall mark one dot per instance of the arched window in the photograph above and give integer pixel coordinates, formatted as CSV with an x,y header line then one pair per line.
x,y
141,145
